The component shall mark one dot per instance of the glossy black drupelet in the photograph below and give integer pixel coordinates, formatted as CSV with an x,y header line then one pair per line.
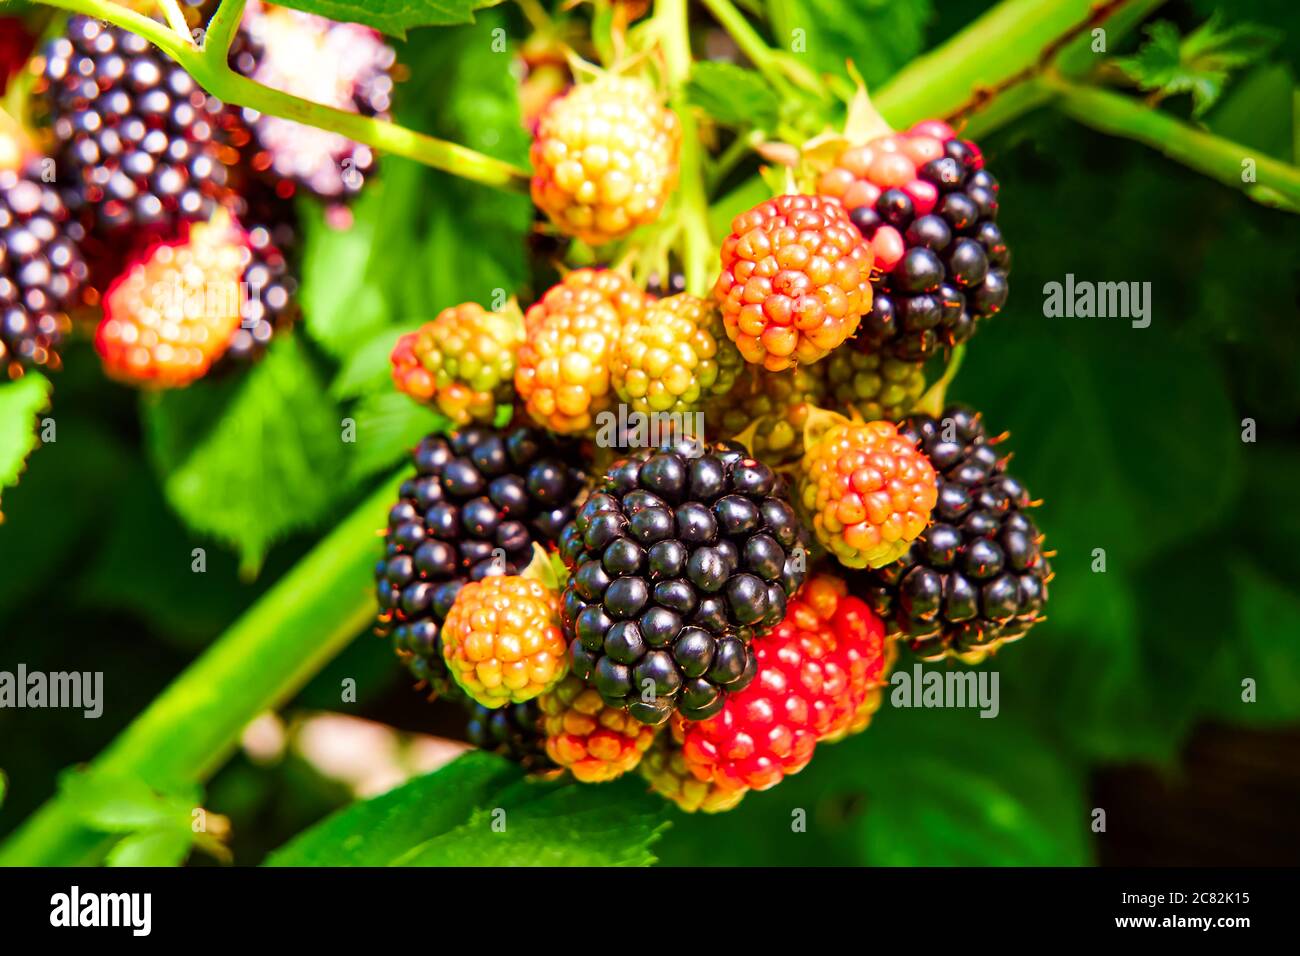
x,y
479,500
977,577
271,305
138,139
954,270
41,270
677,563
514,732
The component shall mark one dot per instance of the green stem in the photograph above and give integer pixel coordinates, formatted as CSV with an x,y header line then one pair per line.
x,y
1275,183
1003,43
693,203
210,69
192,728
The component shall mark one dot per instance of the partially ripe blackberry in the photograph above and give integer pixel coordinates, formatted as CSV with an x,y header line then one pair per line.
x,y
514,732
977,577
478,501
138,139
41,271
928,208
677,563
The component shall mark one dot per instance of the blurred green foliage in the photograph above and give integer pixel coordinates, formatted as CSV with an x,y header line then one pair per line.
x,y
1132,438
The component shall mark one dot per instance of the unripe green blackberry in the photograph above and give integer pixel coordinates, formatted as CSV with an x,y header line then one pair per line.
x,y
769,409
463,361
674,357
872,385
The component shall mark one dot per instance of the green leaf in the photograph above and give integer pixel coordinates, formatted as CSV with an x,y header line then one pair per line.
x,y
367,368
389,425
377,832
1265,648
167,847
879,36
733,95
395,17
1199,63
480,811
536,824
4,787
20,402
340,305
423,240
254,457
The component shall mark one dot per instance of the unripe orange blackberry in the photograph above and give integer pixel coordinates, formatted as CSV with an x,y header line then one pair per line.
x,y
502,641
664,767
867,491
605,158
462,362
563,370
674,357
585,735
174,311
796,280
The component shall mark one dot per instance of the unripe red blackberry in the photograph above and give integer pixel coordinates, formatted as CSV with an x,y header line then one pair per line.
x,y
605,158
679,560
479,500
795,281
174,311
977,578
928,207
343,65
138,139
41,270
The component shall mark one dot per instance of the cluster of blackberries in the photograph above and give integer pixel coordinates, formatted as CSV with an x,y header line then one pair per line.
x,y
478,501
678,561
954,269
977,577
139,142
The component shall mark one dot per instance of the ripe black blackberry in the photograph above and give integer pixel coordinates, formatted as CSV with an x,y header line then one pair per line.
x,y
977,577
514,732
270,306
678,563
41,270
953,270
479,499
657,287
138,139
